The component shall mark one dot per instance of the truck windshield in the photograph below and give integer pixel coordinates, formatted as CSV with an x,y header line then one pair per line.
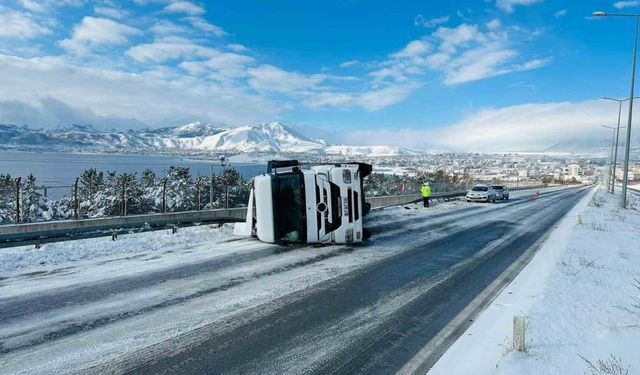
x,y
289,208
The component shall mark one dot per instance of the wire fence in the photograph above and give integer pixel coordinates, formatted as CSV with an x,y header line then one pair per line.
x,y
95,194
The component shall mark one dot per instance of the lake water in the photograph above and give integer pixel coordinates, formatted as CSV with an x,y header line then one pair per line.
x,y
61,169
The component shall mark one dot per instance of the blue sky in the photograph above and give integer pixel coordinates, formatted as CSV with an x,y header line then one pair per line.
x,y
409,73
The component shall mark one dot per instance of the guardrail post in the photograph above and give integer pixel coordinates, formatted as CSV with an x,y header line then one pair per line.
x,y
164,196
226,196
18,200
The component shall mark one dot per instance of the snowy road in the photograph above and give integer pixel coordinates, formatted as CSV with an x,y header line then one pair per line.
x,y
238,306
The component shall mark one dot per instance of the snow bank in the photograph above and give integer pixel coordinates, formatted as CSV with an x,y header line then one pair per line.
x,y
77,252
580,295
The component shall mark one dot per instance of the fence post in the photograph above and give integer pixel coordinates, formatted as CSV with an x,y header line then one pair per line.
x,y
45,192
76,205
124,198
226,196
164,196
18,200
198,200
211,188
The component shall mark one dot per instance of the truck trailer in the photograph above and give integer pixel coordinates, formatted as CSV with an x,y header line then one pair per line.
x,y
318,204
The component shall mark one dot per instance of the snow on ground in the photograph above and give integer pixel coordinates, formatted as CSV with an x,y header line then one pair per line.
x,y
77,252
580,295
162,248
275,272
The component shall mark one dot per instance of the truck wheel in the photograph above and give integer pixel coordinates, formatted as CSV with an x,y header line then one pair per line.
x,y
366,208
366,234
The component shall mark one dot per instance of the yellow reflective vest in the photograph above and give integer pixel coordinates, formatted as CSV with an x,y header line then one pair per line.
x,y
426,191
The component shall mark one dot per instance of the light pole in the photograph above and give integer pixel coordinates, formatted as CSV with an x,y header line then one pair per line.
x,y
615,153
612,174
623,199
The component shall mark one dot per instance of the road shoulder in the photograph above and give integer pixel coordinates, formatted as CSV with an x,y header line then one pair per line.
x,y
577,295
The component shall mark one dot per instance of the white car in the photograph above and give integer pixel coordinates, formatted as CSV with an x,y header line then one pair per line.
x,y
502,192
481,193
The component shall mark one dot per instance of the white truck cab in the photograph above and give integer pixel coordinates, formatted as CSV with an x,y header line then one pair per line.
x,y
319,204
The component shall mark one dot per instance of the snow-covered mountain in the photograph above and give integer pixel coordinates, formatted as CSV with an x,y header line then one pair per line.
x,y
272,137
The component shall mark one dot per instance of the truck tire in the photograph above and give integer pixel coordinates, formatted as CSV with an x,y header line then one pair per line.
x,y
366,208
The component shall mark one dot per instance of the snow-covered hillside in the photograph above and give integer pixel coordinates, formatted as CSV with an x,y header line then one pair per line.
x,y
271,138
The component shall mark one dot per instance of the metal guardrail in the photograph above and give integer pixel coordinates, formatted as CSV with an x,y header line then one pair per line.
x,y
53,231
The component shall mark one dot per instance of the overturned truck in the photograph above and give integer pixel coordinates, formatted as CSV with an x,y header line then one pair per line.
x,y
318,204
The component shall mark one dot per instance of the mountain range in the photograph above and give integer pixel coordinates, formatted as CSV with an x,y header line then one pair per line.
x,y
272,138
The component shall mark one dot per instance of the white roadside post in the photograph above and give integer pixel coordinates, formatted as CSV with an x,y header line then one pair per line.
x,y
518,333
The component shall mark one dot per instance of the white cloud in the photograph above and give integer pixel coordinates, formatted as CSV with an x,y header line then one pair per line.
x,y
268,78
529,126
144,98
507,5
560,13
185,7
478,63
377,99
169,49
222,66
452,38
626,4
414,48
110,12
93,32
429,23
18,25
329,99
43,6
349,63
164,27
525,127
237,47
34,6
201,24
494,24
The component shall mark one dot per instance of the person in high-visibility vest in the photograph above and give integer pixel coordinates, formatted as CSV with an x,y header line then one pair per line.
x,y
425,190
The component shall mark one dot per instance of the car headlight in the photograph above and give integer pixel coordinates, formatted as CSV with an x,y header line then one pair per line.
x,y
346,176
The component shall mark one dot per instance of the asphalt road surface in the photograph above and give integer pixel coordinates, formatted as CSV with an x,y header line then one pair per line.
x,y
268,309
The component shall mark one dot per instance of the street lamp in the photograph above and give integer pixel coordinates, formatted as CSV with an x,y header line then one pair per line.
x,y
615,153
612,174
623,200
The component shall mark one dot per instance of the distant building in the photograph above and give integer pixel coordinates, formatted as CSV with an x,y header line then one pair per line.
x,y
620,175
573,171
